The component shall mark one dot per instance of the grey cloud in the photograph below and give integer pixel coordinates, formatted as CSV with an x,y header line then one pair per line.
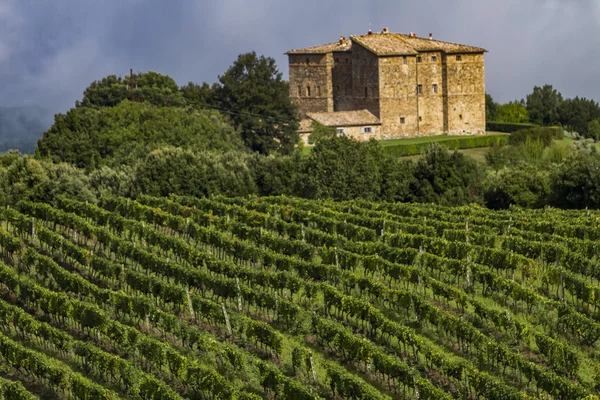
x,y
50,50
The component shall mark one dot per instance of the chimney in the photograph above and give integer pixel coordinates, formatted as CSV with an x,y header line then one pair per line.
x,y
342,40
385,30
412,34
369,33
431,36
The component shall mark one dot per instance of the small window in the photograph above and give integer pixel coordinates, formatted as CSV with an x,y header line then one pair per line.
x,y
337,89
419,89
402,120
340,131
308,91
366,91
420,118
418,58
433,59
434,88
367,129
299,91
318,91
460,116
307,61
404,60
458,58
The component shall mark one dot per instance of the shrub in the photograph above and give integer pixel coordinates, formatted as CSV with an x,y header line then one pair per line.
x,y
451,143
545,135
507,127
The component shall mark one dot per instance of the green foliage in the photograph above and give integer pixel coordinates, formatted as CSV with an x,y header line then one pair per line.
x,y
576,182
593,129
557,152
494,126
512,113
280,175
545,135
446,178
92,137
524,186
253,92
172,170
491,108
199,96
576,114
320,132
341,168
151,87
543,105
453,143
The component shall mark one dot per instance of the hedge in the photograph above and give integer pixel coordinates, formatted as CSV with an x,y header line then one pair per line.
x,y
452,143
546,135
507,127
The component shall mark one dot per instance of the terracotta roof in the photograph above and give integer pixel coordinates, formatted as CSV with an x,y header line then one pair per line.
x,y
345,118
326,48
386,44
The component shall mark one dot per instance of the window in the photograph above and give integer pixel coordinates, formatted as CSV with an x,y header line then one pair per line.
x,y
433,59
458,58
340,131
307,61
318,91
434,88
418,58
308,91
337,89
460,116
366,91
299,91
404,60
367,129
420,118
419,89
402,120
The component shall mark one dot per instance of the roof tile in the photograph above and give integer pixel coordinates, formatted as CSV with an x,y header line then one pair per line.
x,y
345,118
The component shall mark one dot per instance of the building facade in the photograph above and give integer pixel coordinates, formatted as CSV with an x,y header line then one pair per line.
x,y
413,86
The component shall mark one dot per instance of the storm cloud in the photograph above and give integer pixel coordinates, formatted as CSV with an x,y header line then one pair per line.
x,y
50,50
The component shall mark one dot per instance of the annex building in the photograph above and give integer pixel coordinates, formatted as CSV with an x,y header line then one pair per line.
x,y
388,85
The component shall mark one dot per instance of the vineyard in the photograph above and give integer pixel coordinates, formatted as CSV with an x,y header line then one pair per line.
x,y
275,297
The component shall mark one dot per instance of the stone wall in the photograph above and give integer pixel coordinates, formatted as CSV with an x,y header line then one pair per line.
x,y
311,72
466,93
387,87
365,80
343,98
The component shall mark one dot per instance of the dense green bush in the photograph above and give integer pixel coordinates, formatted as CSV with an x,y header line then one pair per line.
x,y
452,143
545,135
506,127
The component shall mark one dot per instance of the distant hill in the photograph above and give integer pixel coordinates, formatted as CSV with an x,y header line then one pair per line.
x,y
21,127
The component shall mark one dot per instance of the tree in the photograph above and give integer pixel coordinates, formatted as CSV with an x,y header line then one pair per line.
x,y
90,137
543,104
319,132
577,113
491,108
524,185
341,168
200,96
151,87
257,98
593,129
576,182
446,178
513,112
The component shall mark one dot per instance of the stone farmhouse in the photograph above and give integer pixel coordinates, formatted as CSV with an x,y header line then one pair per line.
x,y
389,85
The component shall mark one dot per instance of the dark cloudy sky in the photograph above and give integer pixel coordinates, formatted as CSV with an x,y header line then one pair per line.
x,y
50,50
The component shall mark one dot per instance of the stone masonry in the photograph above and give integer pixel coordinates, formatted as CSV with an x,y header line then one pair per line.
x,y
414,86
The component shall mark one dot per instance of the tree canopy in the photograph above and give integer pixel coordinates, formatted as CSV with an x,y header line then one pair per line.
x,y
543,105
256,97
90,137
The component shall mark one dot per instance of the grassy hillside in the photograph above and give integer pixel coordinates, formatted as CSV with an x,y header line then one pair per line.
x,y
250,298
